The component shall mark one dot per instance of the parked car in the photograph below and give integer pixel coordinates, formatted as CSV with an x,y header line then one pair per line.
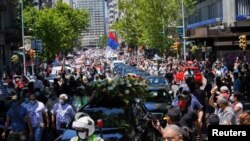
x,y
180,77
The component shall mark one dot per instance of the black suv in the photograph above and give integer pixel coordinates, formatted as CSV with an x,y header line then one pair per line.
x,y
116,117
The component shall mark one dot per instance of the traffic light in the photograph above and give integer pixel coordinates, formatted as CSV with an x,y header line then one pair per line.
x,y
243,42
176,46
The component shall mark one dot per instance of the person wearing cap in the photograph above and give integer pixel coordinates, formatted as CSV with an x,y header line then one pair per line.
x,y
191,101
18,119
227,116
225,92
62,113
190,108
85,128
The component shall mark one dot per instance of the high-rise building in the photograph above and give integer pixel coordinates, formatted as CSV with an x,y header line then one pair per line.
x,y
53,2
10,37
96,28
113,13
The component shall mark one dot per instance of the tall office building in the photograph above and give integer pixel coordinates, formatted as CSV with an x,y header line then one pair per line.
x,y
53,2
10,37
113,13
96,28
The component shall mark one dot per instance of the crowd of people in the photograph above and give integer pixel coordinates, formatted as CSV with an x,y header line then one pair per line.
x,y
39,109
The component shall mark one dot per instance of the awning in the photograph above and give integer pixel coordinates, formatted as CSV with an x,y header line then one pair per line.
x,y
205,22
215,20
242,17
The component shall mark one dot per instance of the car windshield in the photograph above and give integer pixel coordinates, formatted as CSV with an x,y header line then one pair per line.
x,y
156,81
160,96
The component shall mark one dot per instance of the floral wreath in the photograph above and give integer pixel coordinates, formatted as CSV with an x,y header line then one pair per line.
x,y
128,88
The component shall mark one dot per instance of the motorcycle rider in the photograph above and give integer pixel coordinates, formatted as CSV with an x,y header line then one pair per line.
x,y
85,128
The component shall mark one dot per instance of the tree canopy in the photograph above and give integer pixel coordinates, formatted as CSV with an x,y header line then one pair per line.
x,y
149,22
57,27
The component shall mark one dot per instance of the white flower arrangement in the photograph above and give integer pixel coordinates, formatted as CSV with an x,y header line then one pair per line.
x,y
128,88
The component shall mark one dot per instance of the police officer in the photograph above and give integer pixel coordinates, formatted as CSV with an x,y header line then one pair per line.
x,y
85,128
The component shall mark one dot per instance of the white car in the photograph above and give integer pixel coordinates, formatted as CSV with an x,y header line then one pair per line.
x,y
57,69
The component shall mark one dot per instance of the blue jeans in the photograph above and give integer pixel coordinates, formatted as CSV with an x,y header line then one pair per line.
x,y
37,133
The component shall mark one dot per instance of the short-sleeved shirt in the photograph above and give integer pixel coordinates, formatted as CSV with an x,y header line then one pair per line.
x,y
194,103
228,116
188,118
17,117
64,113
36,113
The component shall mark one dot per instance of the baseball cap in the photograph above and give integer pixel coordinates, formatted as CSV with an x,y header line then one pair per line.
x,y
185,90
224,89
184,96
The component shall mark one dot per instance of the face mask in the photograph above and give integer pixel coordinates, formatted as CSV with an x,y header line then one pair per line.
x,y
62,102
82,135
182,104
33,102
37,93
26,100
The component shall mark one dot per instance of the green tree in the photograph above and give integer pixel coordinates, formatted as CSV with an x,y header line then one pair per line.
x,y
57,27
103,41
149,22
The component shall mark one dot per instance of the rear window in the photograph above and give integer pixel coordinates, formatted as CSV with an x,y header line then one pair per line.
x,y
159,97
112,117
156,81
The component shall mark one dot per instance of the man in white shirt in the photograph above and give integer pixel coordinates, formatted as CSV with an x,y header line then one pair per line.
x,y
62,113
37,112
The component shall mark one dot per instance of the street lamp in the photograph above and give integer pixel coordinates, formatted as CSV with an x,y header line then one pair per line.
x,y
184,32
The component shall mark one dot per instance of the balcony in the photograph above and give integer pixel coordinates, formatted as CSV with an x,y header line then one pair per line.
x,y
111,9
111,4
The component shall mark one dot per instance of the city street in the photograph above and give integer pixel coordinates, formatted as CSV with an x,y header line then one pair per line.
x,y
124,70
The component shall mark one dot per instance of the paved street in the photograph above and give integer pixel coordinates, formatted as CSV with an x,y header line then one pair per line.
x,y
124,70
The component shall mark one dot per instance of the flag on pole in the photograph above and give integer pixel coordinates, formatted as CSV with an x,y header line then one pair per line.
x,y
112,41
112,44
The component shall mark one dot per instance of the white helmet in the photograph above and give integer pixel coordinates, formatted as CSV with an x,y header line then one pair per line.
x,y
84,125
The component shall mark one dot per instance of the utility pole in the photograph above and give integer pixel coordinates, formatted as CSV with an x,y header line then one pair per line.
x,y
24,60
184,30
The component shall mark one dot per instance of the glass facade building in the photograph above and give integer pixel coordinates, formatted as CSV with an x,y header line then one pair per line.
x,y
96,26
